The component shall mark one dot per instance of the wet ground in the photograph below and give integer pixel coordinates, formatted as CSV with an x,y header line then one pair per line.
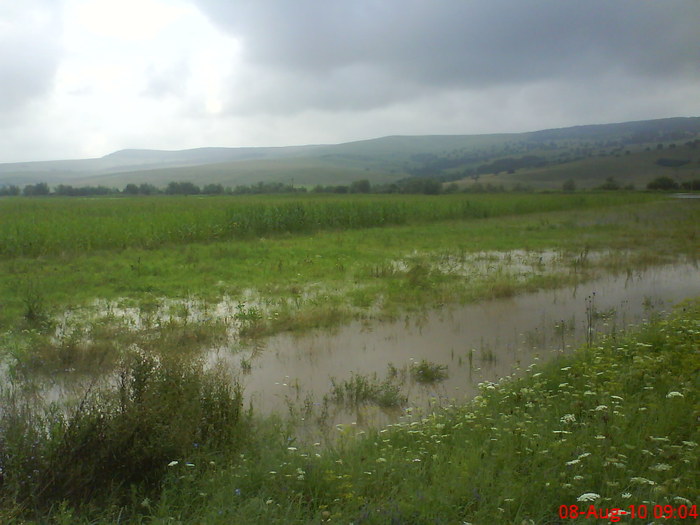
x,y
476,342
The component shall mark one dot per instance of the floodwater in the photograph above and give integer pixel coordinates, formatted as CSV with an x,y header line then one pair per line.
x,y
291,374
502,336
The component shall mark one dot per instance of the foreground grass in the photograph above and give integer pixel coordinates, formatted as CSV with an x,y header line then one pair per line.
x,y
612,425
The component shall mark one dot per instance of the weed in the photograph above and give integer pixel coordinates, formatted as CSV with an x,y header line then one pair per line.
x,y
360,389
425,372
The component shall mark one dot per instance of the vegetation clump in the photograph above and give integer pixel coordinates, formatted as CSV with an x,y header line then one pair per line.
x,y
120,438
360,390
426,372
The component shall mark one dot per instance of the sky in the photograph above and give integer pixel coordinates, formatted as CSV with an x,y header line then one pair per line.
x,y
84,78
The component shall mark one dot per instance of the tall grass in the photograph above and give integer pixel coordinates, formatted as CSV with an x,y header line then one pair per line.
x,y
119,439
55,226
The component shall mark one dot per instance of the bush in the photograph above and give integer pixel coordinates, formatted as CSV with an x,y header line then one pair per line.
x,y
123,436
663,183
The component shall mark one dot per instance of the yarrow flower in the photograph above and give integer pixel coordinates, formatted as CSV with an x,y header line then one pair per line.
x,y
673,393
642,481
588,496
568,418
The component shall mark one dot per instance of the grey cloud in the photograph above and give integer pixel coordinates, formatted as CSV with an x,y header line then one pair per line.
x,y
467,43
30,40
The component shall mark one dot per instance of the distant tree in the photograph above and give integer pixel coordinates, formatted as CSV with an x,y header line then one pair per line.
x,y
610,184
360,186
569,186
182,188
10,191
663,183
147,189
40,188
131,189
691,185
213,189
63,189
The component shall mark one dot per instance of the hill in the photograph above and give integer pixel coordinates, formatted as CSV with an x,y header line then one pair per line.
x,y
630,152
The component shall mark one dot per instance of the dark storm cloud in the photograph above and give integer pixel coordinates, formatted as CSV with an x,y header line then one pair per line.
x,y
402,48
29,38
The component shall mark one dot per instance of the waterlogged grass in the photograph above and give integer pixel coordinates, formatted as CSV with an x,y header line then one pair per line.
x,y
426,372
41,227
331,276
360,390
612,425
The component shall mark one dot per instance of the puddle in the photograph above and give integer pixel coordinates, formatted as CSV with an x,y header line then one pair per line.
x,y
502,336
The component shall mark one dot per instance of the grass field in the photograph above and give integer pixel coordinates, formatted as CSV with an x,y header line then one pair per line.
x,y
68,267
44,227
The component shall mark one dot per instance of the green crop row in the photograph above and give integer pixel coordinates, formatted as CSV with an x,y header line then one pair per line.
x,y
54,226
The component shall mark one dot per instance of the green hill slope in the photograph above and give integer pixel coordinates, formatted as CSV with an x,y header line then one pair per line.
x,y
542,159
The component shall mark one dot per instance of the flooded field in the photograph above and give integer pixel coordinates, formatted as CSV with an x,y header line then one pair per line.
x,y
476,343
371,373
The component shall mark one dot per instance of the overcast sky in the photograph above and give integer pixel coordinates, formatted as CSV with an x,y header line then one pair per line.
x,y
83,78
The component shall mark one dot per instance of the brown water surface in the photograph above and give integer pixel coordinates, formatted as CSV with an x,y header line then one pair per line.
x,y
502,336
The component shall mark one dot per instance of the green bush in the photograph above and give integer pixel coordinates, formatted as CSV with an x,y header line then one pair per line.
x,y
119,437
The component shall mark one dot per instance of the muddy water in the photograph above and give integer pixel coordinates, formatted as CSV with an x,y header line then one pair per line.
x,y
502,336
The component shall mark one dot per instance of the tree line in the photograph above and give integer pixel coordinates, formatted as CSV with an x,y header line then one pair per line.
x,y
410,185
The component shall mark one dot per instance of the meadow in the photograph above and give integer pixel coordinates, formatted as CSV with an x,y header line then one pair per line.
x,y
176,443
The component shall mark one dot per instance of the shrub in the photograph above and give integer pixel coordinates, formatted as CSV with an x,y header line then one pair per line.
x,y
157,410
663,183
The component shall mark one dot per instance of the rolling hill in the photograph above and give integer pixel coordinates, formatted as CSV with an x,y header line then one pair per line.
x,y
631,152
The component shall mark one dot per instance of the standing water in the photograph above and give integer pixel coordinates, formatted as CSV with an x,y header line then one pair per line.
x,y
478,342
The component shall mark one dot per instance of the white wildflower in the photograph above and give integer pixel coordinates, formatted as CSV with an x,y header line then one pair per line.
x,y
568,418
642,481
674,394
588,496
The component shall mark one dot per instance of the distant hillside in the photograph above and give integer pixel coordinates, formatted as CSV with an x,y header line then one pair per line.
x,y
587,154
